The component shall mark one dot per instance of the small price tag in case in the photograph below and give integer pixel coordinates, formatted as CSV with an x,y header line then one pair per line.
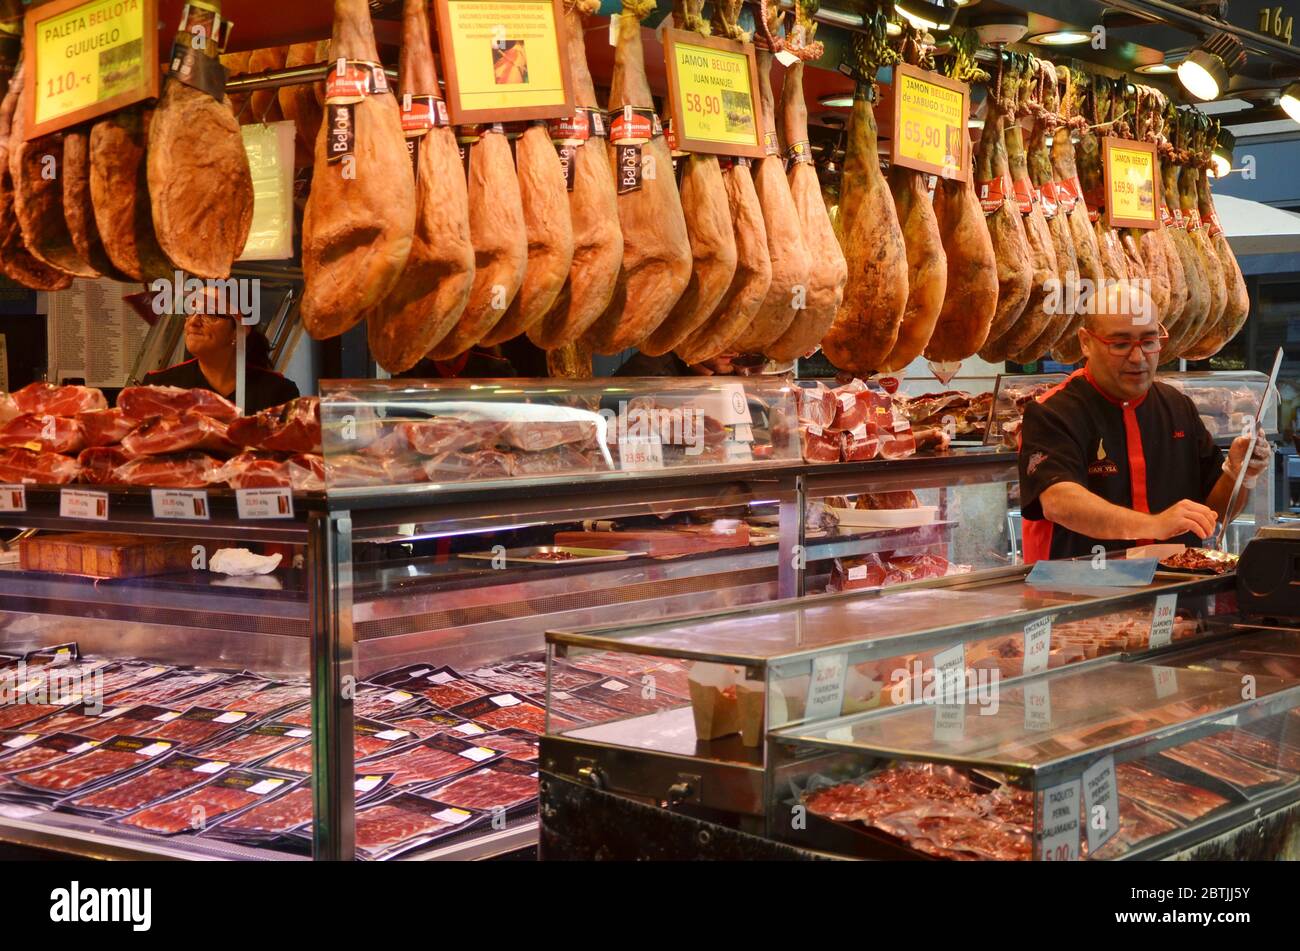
x,y
456,816
1059,839
23,740
826,687
367,783
1162,621
470,729
1101,801
78,503
614,685
478,753
297,734
265,786
441,677
264,503
153,749
640,454
506,700
188,504
215,766
13,498
231,717
1038,705
1038,644
391,735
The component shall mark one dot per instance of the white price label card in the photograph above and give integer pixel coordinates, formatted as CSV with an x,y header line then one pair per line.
x,y
298,734
1101,802
168,717
456,816
367,783
1038,705
215,766
735,410
506,700
614,685
478,753
13,498
82,747
153,749
949,722
187,504
421,672
1166,679
950,674
264,503
231,717
1162,621
391,734
1058,841
1038,644
397,696
78,503
266,786
441,677
19,741
470,729
826,687
640,454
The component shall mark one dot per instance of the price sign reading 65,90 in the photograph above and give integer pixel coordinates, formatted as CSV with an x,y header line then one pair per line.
x,y
930,114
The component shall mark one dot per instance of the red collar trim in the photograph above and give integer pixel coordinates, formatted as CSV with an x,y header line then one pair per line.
x,y
1132,404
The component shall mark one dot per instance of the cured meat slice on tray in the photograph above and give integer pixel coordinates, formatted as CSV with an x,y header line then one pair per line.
x,y
55,400
190,431
1182,801
200,185
105,427
141,402
269,700
19,713
176,683
193,811
516,744
360,217
174,774
42,433
505,784
227,694
429,760
1215,759
19,751
292,427
508,710
282,814
434,287
404,822
48,468
441,685
627,697
370,739
118,756
425,725
593,205
200,724
258,743
103,723
190,470
656,247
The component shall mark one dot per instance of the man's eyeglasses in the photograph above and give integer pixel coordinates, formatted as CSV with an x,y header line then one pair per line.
x,y
1123,346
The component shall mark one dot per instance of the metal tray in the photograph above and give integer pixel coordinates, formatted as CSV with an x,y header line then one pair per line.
x,y
530,555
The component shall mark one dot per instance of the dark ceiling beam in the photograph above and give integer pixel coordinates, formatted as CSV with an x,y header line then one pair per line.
x,y
1197,23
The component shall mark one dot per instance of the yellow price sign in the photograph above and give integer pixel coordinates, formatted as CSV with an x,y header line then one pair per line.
x,y
712,99
930,113
1132,185
88,58
504,60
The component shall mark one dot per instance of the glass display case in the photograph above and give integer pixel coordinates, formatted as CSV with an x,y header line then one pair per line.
x,y
1119,761
697,695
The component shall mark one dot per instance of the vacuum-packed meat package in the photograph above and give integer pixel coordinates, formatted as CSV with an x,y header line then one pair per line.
x,y
23,466
1215,760
441,434
17,714
197,809
104,722
187,432
186,470
391,826
443,686
105,427
227,694
260,742
429,760
509,710
818,444
564,704
434,722
284,814
98,463
266,701
200,724
58,400
516,744
292,427
141,402
370,738
631,698
40,432
171,775
381,703
19,751
1182,801
176,683
113,758
506,784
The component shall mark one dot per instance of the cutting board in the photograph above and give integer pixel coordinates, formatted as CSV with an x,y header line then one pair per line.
x,y
102,555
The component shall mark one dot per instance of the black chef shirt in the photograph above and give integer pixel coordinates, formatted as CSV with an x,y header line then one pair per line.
x,y
262,388
1145,454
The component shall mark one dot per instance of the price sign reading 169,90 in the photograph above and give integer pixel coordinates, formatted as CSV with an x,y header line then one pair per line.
x,y
88,58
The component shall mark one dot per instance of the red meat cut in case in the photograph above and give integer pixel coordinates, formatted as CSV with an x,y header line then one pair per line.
x,y
257,744
161,689
555,461
174,774
819,445
200,724
386,825
435,758
20,466
282,814
58,400
44,433
860,445
99,463
462,466
105,427
184,471
817,405
1180,800
261,470
120,755
203,806
20,713
441,434
141,402
290,427
503,785
159,435
534,436
38,752
227,694
516,744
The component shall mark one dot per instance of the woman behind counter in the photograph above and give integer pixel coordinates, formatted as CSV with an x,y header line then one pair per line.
x,y
211,339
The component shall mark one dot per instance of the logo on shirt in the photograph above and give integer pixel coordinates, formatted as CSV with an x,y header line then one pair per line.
x,y
1103,466
1036,460
1179,434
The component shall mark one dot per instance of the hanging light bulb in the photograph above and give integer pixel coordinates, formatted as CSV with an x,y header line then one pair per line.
x,y
1290,101
928,14
1206,70
1221,158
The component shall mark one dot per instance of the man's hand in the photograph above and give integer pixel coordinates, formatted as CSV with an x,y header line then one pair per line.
x,y
1182,517
1257,462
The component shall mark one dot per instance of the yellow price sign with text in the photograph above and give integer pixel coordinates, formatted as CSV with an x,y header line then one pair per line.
x,y
504,60
930,113
88,58
1132,184
712,94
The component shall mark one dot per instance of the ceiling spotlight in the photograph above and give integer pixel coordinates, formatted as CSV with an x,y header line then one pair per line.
x,y
841,100
1221,159
1155,69
928,14
1060,38
1206,70
893,29
996,29
1290,101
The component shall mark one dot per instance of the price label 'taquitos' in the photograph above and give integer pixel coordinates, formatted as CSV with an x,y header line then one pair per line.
x,y
711,94
88,58
930,113
1132,185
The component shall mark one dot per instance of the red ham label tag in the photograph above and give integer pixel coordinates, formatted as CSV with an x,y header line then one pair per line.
x,y
1178,218
1066,196
1024,193
1049,197
352,80
670,136
420,114
633,126
993,194
1215,228
573,129
1194,220
1166,219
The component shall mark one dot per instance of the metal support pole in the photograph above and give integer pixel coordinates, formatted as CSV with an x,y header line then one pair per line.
x,y
792,550
333,682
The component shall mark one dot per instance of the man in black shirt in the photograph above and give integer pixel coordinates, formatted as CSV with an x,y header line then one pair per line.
x,y
1112,458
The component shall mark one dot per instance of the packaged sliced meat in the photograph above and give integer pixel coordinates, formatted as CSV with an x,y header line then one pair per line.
x,y
105,427
261,470
188,431
1215,760
113,758
536,435
555,461
175,683
429,760
527,673
19,751
103,722
630,666
98,464
631,698
261,742
1182,801
859,445
817,405
441,685
199,724
142,402
819,445
283,814
1260,750
195,810
864,571
434,722
188,470
227,694
509,710
433,437
40,432
1137,823
516,744
173,774
466,466
506,784
290,427
22,466
370,738
17,714
566,705
381,703
398,824
58,400
269,699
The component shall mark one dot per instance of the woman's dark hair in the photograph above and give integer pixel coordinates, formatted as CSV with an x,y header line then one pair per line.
x,y
257,351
